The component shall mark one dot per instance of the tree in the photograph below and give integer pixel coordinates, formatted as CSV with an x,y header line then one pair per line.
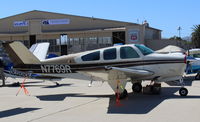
x,y
176,38
196,36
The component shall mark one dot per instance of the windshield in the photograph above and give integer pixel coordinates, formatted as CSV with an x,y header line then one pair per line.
x,y
145,50
195,55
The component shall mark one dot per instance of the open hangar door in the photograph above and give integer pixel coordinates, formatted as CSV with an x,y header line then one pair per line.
x,y
119,37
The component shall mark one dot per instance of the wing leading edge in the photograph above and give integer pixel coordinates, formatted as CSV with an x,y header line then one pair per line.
x,y
133,72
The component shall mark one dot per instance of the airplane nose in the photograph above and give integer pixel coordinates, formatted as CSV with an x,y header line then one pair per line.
x,y
180,57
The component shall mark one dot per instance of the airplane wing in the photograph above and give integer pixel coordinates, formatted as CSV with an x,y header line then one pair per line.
x,y
117,77
133,72
116,73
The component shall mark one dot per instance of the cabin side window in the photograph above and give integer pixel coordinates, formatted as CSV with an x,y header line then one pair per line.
x,y
91,56
110,54
128,52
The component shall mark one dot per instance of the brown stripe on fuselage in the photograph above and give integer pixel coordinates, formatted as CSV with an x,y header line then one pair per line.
x,y
95,66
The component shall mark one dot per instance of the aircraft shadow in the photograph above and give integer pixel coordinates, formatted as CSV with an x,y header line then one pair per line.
x,y
56,86
143,104
17,84
56,97
30,82
16,111
187,81
134,104
34,84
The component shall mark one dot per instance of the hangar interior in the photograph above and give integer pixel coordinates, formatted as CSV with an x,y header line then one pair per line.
x,y
70,34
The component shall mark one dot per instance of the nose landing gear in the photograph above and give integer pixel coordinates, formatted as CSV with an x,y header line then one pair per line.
x,y
182,91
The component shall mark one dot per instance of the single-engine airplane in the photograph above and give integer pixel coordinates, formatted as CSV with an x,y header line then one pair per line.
x,y
114,64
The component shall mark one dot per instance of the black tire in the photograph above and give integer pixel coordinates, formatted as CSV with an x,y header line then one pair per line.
x,y
183,91
137,87
122,95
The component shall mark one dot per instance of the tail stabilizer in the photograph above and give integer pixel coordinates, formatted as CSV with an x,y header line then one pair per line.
x,y
19,54
40,50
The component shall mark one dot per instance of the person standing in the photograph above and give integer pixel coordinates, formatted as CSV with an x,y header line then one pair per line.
x,y
2,73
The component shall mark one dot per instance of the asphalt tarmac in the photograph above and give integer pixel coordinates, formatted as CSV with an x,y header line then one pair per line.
x,y
74,101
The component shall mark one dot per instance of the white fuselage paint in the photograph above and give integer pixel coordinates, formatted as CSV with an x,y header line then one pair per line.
x,y
48,68
164,71
161,70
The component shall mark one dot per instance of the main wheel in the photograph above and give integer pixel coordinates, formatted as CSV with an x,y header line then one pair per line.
x,y
183,92
137,87
122,95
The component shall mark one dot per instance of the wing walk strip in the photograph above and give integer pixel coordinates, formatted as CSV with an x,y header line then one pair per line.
x,y
36,68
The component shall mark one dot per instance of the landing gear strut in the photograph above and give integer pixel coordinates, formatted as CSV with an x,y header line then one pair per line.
x,y
137,87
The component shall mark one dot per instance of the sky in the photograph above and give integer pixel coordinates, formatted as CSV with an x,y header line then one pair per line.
x,y
166,15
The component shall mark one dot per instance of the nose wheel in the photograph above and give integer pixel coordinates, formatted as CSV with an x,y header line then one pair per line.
x,y
183,91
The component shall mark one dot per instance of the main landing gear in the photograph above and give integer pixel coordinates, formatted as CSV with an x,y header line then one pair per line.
x,y
153,88
137,87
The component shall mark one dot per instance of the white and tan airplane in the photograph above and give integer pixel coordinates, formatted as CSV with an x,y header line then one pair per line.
x,y
114,64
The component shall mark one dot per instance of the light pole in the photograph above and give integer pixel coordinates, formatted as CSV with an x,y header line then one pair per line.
x,y
179,31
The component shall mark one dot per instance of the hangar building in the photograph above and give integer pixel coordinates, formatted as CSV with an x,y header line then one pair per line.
x,y
70,34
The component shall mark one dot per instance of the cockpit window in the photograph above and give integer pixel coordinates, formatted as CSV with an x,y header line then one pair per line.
x,y
128,52
91,56
196,55
145,50
110,54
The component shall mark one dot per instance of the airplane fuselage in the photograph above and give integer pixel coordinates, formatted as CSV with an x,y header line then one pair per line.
x,y
164,67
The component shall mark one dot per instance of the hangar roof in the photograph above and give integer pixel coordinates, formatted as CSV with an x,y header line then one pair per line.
x,y
76,23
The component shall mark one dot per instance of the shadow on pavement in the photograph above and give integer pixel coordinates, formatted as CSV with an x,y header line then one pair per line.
x,y
16,111
56,97
143,104
56,86
134,104
35,84
188,80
